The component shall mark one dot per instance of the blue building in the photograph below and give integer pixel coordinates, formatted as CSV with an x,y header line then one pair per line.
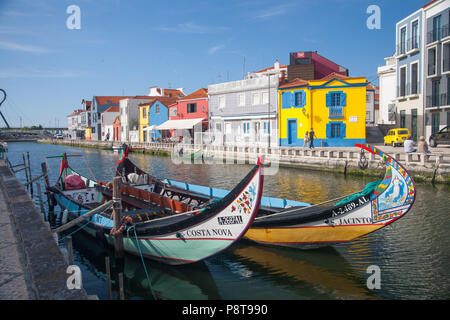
x,y
158,113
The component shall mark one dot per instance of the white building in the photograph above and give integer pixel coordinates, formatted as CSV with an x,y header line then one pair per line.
x,y
107,120
387,76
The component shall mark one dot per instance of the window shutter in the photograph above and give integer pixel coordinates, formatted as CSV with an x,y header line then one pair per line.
x,y
328,100
343,99
328,130
303,98
343,129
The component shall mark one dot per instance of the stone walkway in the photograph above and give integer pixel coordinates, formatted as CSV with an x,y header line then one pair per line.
x,y
13,282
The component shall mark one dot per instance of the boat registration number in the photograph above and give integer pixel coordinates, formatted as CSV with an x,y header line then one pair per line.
x,y
349,206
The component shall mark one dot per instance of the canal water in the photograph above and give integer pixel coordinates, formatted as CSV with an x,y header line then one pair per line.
x,y
413,254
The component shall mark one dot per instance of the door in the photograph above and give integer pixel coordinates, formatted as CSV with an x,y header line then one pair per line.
x,y
292,131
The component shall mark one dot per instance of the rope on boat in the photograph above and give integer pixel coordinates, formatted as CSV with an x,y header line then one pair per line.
x,y
80,228
143,263
73,222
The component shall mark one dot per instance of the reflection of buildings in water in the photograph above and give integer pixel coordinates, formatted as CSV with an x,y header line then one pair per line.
x,y
193,281
325,271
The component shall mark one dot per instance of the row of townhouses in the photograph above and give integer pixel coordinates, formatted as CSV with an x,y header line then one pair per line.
x,y
415,82
271,107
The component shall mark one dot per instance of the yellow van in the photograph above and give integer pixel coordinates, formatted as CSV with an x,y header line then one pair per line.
x,y
396,136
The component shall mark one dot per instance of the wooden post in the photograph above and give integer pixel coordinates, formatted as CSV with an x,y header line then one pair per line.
x,y
108,277
26,171
50,215
41,202
68,243
29,173
121,291
117,213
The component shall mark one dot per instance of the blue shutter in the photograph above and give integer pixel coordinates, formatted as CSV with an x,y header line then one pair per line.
x,y
284,97
303,98
343,99
343,129
328,130
328,104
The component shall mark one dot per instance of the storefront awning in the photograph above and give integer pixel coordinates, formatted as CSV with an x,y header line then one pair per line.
x,y
179,124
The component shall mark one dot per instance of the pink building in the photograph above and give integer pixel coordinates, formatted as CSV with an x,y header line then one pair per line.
x,y
310,65
193,107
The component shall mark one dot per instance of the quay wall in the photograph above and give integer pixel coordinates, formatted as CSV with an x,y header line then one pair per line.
x,y
37,258
432,168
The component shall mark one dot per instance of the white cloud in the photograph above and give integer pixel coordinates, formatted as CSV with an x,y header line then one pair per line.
x,y
214,49
273,11
191,28
20,47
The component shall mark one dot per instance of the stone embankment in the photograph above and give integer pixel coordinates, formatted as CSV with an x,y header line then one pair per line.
x,y
434,167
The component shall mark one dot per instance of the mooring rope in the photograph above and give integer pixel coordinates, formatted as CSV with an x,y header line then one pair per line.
x,y
143,263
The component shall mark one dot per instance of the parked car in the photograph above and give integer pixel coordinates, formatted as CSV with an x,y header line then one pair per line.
x,y
441,137
59,136
396,137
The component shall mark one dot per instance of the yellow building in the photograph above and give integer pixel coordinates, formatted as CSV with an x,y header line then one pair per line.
x,y
88,133
143,122
334,106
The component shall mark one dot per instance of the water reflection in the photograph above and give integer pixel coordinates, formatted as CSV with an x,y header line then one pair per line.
x,y
413,254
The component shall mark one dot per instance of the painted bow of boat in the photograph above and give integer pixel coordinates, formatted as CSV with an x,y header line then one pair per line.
x,y
321,226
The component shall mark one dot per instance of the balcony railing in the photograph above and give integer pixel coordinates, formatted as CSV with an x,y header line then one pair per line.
x,y
409,45
438,34
403,91
440,100
336,112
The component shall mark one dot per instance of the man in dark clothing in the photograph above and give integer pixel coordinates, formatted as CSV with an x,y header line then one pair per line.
x,y
311,138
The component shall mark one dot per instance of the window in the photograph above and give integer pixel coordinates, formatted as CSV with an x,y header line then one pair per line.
x,y
402,91
414,78
191,108
265,97
266,127
256,98
435,122
415,35
446,57
435,91
144,114
437,32
157,109
299,98
241,99
335,130
221,102
246,127
432,61
336,99
403,40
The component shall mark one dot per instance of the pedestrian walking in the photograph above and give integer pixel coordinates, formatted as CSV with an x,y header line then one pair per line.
x,y
306,139
311,138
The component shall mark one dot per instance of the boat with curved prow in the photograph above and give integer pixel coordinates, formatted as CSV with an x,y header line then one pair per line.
x,y
164,229
347,220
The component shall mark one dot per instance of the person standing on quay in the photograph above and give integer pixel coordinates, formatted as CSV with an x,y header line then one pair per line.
x,y
306,139
311,138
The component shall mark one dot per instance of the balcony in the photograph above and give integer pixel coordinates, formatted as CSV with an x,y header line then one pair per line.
x,y
336,112
438,34
436,101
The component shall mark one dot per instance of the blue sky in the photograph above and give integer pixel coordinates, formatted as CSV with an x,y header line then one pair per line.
x,y
124,47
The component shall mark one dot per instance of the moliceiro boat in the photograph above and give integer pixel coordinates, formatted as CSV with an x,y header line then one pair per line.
x,y
297,224
159,227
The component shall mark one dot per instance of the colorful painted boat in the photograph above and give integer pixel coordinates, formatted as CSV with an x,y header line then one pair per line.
x,y
295,224
161,228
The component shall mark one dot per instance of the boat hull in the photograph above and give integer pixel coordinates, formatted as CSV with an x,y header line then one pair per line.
x,y
210,234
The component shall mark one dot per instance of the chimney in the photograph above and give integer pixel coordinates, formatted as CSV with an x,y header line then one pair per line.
x,y
276,65
283,76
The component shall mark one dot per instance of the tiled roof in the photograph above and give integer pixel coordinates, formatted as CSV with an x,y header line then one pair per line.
x,y
199,94
294,83
112,109
173,93
334,75
75,112
270,68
